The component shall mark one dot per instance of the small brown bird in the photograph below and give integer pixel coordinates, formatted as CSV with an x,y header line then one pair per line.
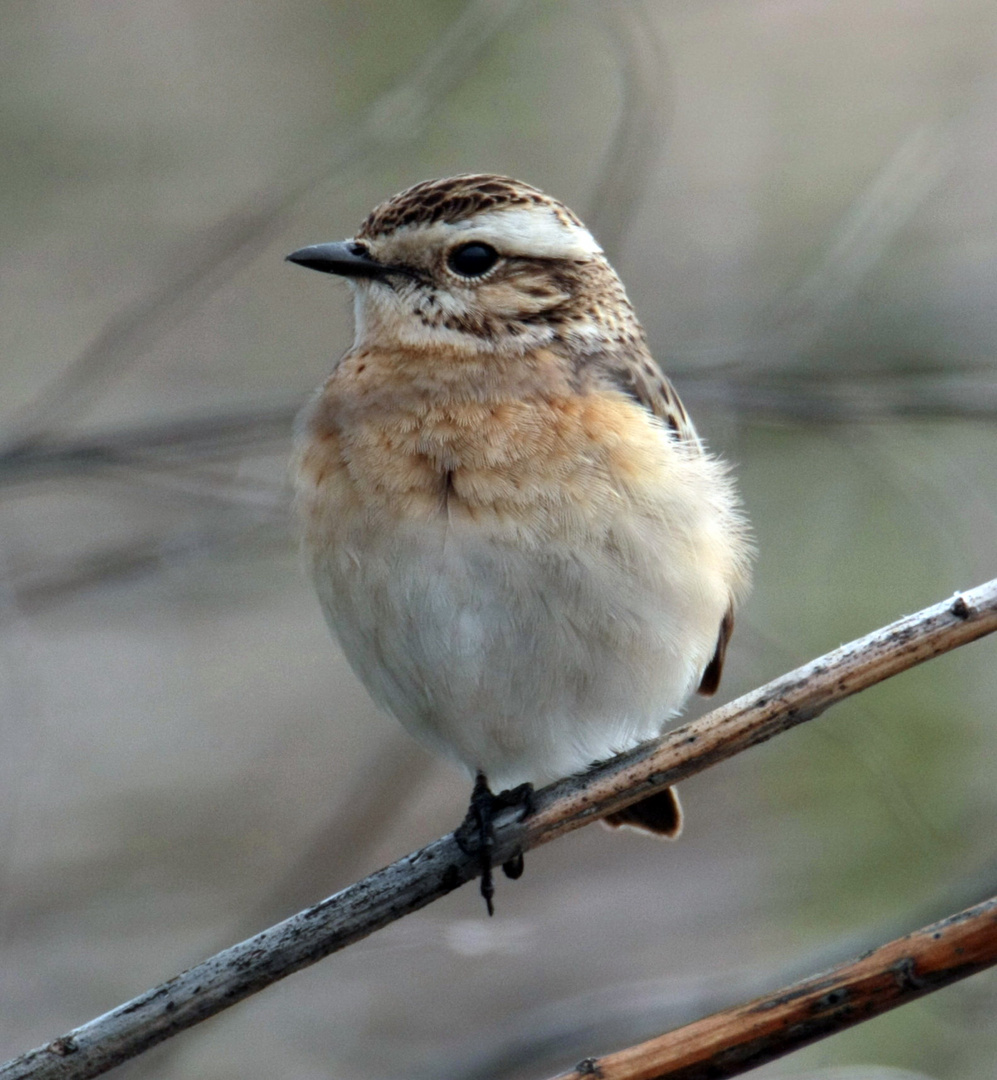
x,y
516,535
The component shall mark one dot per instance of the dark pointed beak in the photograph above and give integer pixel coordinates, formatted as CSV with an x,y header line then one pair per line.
x,y
349,259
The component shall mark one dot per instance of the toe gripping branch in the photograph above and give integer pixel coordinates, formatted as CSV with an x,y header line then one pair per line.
x,y
476,834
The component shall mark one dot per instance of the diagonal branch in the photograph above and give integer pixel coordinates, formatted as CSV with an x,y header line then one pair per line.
x,y
424,876
730,1043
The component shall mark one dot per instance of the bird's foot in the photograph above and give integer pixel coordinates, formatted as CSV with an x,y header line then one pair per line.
x,y
521,798
477,833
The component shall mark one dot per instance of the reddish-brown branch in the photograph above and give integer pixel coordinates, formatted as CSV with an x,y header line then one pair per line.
x,y
732,1042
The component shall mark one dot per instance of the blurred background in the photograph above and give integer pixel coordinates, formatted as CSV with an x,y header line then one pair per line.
x,y
800,196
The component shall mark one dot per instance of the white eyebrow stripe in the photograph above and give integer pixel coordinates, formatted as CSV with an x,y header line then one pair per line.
x,y
530,231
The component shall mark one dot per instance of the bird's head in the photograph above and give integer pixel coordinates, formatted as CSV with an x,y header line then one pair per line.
x,y
477,263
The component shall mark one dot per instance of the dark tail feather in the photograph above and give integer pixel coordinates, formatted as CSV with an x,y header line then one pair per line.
x,y
659,814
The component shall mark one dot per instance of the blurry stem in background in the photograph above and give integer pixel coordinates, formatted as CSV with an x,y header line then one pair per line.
x,y
140,557
788,331
862,237
397,117
424,876
639,132
732,1042
183,453
387,782
965,392
197,271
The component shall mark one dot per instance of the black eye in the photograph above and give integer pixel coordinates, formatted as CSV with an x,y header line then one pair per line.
x,y
472,260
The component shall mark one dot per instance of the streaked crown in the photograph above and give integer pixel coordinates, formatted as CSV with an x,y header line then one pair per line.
x,y
461,198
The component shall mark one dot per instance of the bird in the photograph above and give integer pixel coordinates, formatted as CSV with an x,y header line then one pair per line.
x,y
524,549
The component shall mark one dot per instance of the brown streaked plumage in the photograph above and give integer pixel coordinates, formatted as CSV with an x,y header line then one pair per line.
x,y
454,199
516,534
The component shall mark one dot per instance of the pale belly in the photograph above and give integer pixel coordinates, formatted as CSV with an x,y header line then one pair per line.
x,y
527,586
521,658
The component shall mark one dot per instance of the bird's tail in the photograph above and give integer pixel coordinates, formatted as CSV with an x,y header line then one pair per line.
x,y
659,814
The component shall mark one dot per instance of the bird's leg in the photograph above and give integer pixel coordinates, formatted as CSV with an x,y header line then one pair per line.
x,y
480,823
481,816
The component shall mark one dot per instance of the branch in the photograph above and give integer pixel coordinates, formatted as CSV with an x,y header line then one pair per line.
x,y
730,1043
424,876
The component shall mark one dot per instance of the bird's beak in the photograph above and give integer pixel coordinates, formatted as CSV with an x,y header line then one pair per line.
x,y
348,259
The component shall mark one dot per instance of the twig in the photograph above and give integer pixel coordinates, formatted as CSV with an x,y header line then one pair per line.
x,y
419,878
730,1043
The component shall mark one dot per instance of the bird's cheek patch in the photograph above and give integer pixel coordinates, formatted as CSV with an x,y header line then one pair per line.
x,y
512,298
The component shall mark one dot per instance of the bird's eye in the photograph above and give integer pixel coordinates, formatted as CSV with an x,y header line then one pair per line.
x,y
472,260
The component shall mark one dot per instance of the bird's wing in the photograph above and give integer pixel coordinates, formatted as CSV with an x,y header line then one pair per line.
x,y
639,377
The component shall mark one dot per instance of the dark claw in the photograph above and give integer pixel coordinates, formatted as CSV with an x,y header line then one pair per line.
x,y
488,889
513,868
480,824
521,797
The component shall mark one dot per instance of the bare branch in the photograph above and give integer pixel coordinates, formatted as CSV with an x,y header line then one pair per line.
x,y
419,878
730,1043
